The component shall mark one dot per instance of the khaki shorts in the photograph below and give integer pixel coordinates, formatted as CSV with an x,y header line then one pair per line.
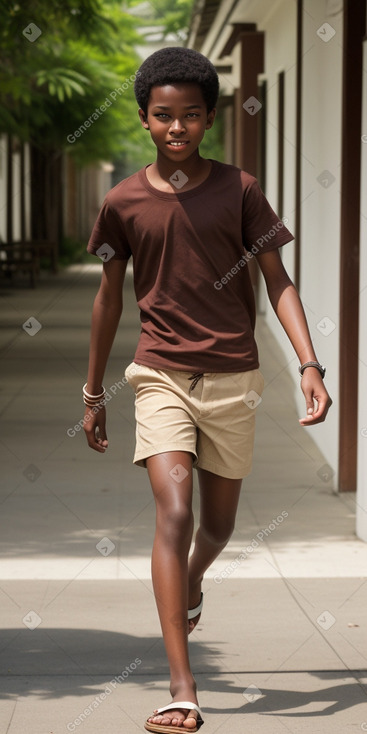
x,y
211,416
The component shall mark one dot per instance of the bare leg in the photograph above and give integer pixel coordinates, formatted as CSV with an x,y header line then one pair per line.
x,y
172,489
218,506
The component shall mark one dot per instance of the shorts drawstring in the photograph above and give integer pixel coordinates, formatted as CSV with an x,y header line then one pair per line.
x,y
195,379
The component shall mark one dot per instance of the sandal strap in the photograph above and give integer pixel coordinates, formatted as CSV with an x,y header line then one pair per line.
x,y
180,705
197,610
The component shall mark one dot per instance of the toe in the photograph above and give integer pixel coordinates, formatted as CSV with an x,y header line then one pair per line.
x,y
190,721
177,718
193,622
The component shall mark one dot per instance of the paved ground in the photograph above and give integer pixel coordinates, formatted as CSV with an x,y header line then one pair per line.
x,y
281,646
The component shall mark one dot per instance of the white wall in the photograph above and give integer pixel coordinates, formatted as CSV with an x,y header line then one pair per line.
x,y
27,190
321,151
280,55
362,418
320,218
3,145
16,196
15,190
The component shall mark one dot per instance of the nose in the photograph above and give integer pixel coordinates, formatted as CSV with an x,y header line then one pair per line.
x,y
177,126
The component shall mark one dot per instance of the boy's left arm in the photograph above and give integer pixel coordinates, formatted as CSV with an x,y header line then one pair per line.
x,y
287,305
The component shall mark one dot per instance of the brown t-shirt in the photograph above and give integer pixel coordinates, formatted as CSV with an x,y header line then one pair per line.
x,y
190,256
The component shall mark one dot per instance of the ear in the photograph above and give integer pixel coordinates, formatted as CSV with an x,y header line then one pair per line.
x,y
210,118
143,119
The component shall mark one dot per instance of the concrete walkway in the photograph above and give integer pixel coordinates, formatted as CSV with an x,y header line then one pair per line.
x,y
281,645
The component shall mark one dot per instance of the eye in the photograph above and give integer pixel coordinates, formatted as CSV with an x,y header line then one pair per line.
x,y
192,114
161,115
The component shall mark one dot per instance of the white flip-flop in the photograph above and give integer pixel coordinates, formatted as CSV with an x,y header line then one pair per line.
x,y
167,729
192,613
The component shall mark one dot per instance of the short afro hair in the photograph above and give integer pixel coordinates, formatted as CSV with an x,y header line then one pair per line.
x,y
173,65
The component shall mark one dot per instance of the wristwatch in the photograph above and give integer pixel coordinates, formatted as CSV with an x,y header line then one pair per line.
x,y
318,366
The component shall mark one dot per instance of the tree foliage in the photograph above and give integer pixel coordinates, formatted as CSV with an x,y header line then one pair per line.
x,y
172,17
59,63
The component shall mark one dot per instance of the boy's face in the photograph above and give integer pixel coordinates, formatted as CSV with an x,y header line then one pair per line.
x,y
177,119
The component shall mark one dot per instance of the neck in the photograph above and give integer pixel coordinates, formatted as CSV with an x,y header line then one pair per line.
x,y
192,166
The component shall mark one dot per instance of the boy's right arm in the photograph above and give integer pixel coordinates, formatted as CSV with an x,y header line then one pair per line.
x,y
106,314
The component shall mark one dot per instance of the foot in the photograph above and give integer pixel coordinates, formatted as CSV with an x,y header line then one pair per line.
x,y
179,717
182,717
194,600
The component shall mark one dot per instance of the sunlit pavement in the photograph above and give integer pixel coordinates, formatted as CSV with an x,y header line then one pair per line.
x,y
281,645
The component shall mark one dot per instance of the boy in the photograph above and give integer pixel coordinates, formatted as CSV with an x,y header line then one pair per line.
x,y
191,225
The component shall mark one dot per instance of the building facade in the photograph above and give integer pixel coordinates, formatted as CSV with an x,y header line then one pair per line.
x,y
294,99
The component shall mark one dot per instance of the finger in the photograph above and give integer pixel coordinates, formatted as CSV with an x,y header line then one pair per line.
x,y
101,436
318,415
97,447
310,405
309,420
95,440
101,432
95,443
102,443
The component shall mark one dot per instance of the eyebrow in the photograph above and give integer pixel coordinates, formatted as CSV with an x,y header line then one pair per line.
x,y
187,107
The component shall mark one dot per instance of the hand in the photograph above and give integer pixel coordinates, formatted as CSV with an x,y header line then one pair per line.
x,y
314,390
94,425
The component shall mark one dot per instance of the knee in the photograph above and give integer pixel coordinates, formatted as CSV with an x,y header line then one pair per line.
x,y
217,533
175,522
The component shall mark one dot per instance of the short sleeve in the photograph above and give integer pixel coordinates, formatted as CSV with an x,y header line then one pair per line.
x,y
262,230
109,230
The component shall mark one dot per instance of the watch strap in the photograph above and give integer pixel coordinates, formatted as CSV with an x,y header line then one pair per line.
x,y
318,366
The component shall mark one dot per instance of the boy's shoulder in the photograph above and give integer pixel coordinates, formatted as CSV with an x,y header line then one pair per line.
x,y
127,186
237,182
233,175
230,170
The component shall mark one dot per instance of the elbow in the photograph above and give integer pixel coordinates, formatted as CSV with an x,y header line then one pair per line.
x,y
275,291
278,286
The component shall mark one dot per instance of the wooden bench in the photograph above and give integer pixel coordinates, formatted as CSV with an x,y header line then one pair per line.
x,y
19,257
25,257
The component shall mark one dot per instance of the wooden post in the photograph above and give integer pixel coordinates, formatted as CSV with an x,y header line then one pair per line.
x,y
9,190
354,26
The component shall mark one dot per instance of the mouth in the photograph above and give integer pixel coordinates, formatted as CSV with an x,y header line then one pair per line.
x,y
177,144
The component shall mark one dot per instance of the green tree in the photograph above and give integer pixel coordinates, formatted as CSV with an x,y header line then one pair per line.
x,y
66,85
172,17
60,61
